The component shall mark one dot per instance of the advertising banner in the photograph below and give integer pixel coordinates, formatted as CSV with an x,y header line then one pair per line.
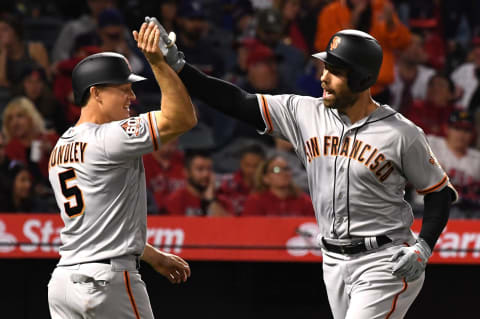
x,y
228,238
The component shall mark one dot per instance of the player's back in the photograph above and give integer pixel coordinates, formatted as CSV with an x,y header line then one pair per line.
x,y
97,174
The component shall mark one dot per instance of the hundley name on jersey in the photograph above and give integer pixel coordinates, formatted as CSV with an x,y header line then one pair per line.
x,y
68,153
360,151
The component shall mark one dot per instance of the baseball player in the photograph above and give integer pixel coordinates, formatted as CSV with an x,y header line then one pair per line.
x,y
359,155
97,174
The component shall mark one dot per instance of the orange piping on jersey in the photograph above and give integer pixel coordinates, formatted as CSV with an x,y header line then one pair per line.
x,y
152,131
394,303
267,114
434,187
130,295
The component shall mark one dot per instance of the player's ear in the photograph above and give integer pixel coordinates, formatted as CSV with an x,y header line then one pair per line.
x,y
95,93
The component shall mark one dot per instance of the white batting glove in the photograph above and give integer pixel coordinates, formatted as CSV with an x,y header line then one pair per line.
x,y
411,261
173,57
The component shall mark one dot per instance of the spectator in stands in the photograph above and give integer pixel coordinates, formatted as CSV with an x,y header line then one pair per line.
x,y
27,139
308,20
62,85
4,166
270,26
263,71
467,79
276,194
237,186
110,36
432,113
193,28
310,82
19,194
4,160
243,20
168,14
290,10
262,77
453,12
285,150
16,53
376,17
64,46
238,72
198,197
164,172
34,85
411,76
460,162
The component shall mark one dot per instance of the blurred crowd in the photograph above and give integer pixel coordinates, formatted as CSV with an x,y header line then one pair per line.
x,y
430,74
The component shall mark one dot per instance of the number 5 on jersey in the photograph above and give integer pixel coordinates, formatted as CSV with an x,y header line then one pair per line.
x,y
69,192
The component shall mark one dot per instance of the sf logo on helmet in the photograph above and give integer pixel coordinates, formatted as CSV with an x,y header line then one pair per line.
x,y
335,42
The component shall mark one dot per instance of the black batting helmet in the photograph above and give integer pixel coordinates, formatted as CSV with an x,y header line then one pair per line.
x,y
359,53
101,68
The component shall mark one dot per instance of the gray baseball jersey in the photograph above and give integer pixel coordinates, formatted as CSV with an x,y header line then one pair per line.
x,y
98,178
356,172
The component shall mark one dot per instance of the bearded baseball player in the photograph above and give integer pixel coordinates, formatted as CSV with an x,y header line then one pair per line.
x,y
359,156
97,174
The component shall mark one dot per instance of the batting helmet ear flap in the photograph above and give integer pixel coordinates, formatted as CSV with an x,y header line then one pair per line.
x,y
358,82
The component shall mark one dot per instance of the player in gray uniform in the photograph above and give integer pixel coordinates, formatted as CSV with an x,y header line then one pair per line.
x,y
97,174
359,156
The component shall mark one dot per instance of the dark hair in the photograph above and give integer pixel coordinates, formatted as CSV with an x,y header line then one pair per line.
x,y
253,149
440,75
15,23
191,154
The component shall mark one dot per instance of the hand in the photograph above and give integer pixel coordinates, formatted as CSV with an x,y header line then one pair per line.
x,y
411,261
174,58
209,193
148,39
174,268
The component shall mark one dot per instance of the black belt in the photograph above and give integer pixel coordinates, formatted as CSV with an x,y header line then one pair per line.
x,y
354,247
108,261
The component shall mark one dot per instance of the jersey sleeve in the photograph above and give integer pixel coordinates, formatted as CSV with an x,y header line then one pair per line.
x,y
422,169
279,113
132,137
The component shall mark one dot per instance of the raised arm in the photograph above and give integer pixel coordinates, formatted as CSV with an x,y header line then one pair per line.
x,y
221,95
177,113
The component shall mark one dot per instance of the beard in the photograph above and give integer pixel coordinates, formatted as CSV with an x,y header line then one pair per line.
x,y
339,100
197,185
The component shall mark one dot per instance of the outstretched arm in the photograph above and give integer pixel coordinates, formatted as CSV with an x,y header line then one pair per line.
x,y
177,115
223,96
